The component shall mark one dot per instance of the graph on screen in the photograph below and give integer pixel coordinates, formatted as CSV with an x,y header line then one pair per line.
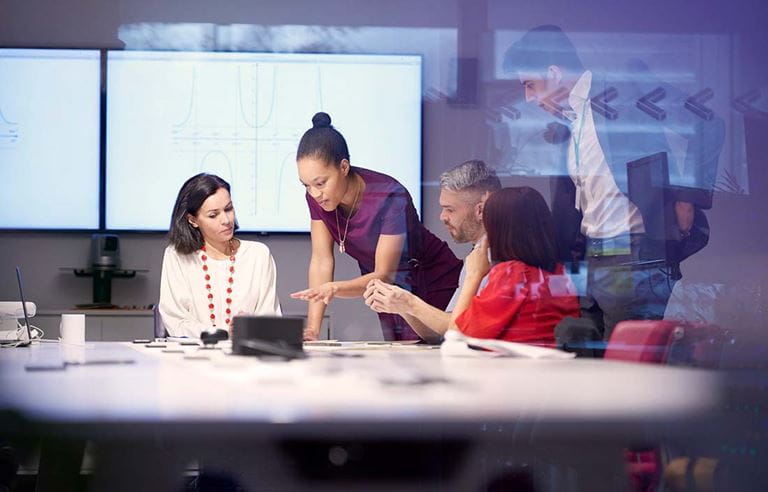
x,y
49,138
240,116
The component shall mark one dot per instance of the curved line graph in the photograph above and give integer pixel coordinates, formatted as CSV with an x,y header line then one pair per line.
x,y
191,99
9,133
272,99
272,103
225,151
240,95
202,166
319,88
6,120
280,180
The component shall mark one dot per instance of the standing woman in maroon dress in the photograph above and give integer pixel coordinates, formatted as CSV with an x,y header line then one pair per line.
x,y
371,217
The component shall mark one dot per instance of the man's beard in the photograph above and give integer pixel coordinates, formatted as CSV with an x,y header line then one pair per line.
x,y
467,231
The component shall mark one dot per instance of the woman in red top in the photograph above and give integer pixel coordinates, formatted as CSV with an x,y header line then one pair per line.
x,y
528,292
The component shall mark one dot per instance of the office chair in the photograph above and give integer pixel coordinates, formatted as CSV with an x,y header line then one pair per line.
x,y
160,331
662,342
667,342
580,336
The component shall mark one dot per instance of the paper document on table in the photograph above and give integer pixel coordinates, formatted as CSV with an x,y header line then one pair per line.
x,y
457,344
331,345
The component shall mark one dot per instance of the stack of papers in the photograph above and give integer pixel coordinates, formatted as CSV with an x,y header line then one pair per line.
x,y
459,345
365,345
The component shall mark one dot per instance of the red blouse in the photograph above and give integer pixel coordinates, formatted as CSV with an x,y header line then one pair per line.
x,y
521,303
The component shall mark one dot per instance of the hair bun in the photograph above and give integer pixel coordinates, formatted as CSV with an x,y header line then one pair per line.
x,y
321,120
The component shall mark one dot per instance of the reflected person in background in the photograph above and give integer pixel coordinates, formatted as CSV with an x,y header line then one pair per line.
x,y
372,218
463,191
593,213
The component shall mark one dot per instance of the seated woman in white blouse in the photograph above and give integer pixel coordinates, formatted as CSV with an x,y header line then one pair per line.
x,y
209,276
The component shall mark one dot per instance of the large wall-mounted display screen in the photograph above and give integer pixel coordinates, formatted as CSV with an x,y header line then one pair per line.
x,y
171,115
49,138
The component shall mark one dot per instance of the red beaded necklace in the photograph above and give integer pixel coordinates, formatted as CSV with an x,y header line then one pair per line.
x,y
207,277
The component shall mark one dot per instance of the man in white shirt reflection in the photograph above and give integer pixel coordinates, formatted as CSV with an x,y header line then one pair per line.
x,y
591,206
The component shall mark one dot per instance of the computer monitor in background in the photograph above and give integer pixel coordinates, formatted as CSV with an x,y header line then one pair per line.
x,y
650,191
171,115
755,131
648,185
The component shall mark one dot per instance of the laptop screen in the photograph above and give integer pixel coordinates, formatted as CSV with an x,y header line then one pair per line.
x,y
23,304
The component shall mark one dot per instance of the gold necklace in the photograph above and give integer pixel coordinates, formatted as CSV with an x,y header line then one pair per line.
x,y
343,239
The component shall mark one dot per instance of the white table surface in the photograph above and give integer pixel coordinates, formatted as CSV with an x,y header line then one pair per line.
x,y
381,386
569,418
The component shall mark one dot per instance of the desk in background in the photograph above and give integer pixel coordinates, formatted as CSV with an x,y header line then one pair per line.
x,y
107,325
121,325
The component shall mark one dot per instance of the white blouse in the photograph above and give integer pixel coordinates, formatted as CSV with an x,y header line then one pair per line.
x,y
184,299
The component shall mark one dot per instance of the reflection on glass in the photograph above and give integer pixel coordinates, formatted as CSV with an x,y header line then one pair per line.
x,y
638,173
651,80
436,45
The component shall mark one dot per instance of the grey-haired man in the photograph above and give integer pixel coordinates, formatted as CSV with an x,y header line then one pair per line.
x,y
463,191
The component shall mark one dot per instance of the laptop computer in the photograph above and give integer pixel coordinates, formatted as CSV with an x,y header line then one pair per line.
x,y
23,343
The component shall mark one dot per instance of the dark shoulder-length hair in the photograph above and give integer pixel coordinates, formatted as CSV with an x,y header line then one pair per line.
x,y
519,226
182,236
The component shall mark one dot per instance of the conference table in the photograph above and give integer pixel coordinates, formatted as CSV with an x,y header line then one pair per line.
x,y
383,416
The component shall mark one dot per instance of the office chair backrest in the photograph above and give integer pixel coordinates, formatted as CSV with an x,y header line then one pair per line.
x,y
661,342
159,326
579,336
667,342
